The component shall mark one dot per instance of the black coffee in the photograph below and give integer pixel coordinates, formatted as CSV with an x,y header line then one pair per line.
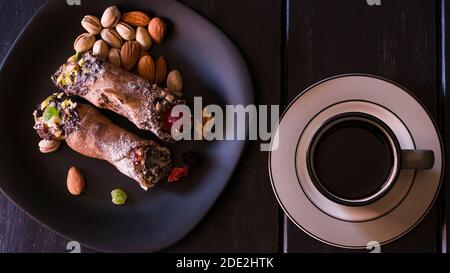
x,y
353,159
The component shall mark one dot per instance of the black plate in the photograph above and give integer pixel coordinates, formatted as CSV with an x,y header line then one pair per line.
x,y
212,67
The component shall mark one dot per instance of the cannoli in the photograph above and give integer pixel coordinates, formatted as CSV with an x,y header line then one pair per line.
x,y
88,132
110,87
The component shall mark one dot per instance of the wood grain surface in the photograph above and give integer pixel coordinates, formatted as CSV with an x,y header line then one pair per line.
x,y
246,216
288,45
396,40
18,232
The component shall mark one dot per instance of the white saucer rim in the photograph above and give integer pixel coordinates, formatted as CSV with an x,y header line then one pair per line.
x,y
438,133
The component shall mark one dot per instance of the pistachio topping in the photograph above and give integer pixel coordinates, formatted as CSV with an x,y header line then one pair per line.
x,y
74,58
72,75
69,75
55,117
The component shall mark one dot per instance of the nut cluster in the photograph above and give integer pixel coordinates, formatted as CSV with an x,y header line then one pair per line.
x,y
124,40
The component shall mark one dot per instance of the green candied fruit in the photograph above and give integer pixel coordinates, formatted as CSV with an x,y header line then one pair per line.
x,y
119,197
50,112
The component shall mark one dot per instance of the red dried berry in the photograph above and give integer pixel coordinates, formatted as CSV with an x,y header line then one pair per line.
x,y
177,173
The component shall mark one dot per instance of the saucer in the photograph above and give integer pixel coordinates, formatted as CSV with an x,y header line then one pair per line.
x,y
384,220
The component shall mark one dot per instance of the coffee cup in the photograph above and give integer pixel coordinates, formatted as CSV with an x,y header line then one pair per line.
x,y
354,159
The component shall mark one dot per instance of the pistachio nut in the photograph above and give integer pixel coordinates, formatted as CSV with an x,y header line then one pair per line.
x,y
111,17
114,56
91,24
84,42
110,36
143,38
49,146
101,49
125,31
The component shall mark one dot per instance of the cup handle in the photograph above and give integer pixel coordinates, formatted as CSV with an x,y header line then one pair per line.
x,y
417,159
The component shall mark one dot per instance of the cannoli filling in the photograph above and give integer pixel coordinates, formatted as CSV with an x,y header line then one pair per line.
x,y
56,117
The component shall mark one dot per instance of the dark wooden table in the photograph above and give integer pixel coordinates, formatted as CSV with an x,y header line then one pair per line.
x,y
289,45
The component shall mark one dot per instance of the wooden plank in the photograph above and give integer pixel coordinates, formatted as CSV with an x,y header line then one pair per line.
x,y
245,218
396,40
18,232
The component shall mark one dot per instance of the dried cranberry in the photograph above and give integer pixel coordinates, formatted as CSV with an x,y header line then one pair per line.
x,y
177,173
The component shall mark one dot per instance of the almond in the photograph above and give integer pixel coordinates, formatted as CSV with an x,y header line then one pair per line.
x,y
114,56
136,18
175,81
129,54
157,29
75,181
146,68
161,70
